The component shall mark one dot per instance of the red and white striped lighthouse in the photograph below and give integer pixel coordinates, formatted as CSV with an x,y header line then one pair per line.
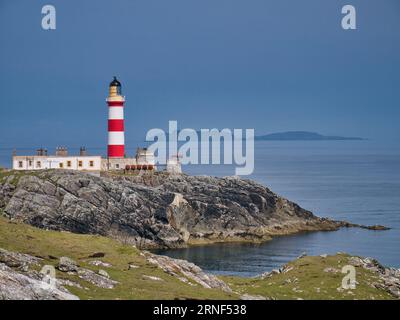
x,y
116,134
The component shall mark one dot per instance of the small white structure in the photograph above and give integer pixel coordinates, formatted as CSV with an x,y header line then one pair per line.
x,y
174,165
144,156
143,159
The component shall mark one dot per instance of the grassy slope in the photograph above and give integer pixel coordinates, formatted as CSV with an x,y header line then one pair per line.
x,y
308,271
49,244
307,280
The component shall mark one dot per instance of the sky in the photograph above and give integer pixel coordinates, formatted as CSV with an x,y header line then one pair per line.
x,y
269,65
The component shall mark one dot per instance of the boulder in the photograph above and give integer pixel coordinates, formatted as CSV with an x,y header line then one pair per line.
x,y
99,280
17,286
99,263
187,272
67,265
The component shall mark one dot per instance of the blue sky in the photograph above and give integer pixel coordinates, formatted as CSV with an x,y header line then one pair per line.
x,y
269,65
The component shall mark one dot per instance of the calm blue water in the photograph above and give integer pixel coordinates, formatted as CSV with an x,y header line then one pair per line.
x,y
358,181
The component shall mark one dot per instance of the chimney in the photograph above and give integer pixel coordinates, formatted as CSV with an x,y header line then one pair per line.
x,y
61,152
82,152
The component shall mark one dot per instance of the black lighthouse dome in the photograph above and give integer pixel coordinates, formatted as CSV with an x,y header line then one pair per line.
x,y
116,83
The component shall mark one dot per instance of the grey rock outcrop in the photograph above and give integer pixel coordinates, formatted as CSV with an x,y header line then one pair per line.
x,y
389,278
19,282
17,286
18,260
100,279
100,263
187,272
157,210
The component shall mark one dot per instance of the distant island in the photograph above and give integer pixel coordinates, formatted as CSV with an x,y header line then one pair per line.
x,y
287,136
301,136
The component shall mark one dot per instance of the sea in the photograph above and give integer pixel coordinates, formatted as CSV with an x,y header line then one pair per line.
x,y
356,181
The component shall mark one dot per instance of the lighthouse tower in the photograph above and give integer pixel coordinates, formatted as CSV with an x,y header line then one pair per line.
x,y
116,134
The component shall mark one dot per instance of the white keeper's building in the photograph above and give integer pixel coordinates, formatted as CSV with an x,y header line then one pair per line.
x,y
89,163
144,160
61,160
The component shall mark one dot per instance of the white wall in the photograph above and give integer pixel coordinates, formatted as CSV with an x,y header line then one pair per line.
x,y
146,158
53,162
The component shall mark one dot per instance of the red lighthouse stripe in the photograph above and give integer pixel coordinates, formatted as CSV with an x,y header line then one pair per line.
x,y
116,151
116,125
115,103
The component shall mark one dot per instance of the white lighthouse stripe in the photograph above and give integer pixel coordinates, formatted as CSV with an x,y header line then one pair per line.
x,y
116,138
116,113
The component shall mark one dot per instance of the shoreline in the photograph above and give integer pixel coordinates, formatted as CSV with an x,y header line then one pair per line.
x,y
198,242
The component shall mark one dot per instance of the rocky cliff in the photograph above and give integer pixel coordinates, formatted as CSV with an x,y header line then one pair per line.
x,y
157,210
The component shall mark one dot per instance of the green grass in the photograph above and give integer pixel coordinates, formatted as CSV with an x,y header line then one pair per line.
x,y
19,237
307,280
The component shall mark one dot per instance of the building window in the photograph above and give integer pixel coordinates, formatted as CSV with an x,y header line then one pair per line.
x,y
20,164
80,164
117,166
69,164
61,165
38,164
30,163
91,163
